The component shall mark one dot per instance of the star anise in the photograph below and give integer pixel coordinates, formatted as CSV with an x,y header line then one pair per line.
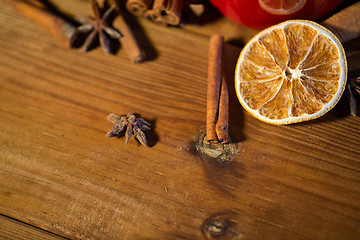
x,y
134,125
97,30
353,87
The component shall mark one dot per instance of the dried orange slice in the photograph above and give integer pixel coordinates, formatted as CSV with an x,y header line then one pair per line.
x,y
291,72
281,7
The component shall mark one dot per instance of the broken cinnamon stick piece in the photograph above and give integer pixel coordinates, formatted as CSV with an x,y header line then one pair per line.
x,y
222,125
128,40
138,7
213,87
57,26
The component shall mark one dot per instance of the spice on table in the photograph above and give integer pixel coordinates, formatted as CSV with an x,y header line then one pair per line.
x,y
134,125
97,30
128,41
217,100
197,8
353,87
166,11
213,87
222,124
138,7
36,11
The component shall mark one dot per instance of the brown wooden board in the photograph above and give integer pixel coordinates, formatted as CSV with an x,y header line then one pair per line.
x,y
14,229
60,173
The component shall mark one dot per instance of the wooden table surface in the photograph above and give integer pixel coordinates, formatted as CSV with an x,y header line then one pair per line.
x,y
61,177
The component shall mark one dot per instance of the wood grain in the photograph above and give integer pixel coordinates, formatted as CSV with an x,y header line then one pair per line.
x,y
13,229
60,173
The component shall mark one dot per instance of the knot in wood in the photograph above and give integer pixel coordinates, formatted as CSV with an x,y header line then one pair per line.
x,y
216,227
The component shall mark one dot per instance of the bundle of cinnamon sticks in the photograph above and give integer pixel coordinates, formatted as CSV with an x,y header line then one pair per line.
x,y
168,12
217,108
159,11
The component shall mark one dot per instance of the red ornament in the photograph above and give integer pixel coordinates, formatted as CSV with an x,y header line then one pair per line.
x,y
260,14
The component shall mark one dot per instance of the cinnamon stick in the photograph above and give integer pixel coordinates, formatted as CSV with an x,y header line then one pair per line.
x,y
57,26
214,79
352,100
128,40
217,112
222,125
166,11
138,7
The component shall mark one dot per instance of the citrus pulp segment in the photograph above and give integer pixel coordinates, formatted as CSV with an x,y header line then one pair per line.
x,y
291,72
282,7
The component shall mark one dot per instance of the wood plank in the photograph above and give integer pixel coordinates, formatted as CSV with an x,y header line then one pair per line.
x,y
60,173
13,229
